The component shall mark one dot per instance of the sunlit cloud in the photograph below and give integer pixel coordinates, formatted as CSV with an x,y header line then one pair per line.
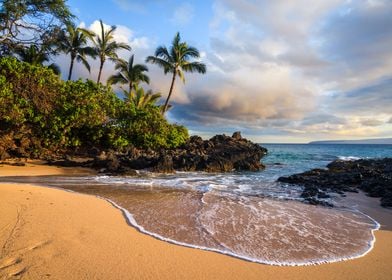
x,y
277,70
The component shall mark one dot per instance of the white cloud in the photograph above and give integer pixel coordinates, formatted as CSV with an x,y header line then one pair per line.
x,y
285,67
282,61
140,47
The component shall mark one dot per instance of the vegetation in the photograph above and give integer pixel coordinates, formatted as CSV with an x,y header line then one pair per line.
x,y
176,61
42,115
36,56
73,41
106,47
141,99
26,22
129,74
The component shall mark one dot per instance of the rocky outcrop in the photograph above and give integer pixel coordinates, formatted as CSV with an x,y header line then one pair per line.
x,y
221,153
373,176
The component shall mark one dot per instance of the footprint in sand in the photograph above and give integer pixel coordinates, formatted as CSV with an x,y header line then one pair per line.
x,y
13,268
38,245
17,272
9,262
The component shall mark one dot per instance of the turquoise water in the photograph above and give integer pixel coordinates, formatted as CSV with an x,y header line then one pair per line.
x,y
295,158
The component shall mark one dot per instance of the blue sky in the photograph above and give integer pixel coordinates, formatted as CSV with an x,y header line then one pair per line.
x,y
279,71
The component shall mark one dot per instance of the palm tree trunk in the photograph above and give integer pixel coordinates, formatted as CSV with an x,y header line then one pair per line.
x,y
130,88
100,71
70,68
170,92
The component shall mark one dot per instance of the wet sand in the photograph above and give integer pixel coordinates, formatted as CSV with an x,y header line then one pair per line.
x,y
49,233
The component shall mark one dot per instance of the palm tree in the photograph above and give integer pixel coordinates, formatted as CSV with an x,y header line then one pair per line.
x,y
141,99
106,46
36,56
129,73
73,41
177,62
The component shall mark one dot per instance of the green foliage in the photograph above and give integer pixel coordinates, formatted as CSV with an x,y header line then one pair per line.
x,y
38,112
129,73
73,41
37,56
176,61
140,98
106,47
146,128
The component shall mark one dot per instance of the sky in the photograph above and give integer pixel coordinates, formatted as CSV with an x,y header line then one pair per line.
x,y
278,71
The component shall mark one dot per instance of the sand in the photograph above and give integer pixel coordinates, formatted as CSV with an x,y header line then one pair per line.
x,y
38,168
54,234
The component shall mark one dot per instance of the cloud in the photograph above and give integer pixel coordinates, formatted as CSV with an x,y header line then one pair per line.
x,y
183,15
281,69
371,99
292,69
357,44
248,79
140,47
372,122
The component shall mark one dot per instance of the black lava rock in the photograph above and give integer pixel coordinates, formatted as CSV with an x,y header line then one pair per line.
x,y
373,176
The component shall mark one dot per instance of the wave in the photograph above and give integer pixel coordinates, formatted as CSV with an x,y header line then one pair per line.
x,y
132,221
238,225
348,158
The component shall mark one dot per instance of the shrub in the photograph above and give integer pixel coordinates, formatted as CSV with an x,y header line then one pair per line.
x,y
40,113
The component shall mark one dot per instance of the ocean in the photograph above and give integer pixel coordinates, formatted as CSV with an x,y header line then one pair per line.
x,y
243,214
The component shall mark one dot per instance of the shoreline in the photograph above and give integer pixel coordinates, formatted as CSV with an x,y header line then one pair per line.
x,y
166,257
132,222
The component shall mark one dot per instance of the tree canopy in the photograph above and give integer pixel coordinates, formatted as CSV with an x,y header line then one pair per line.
x,y
129,73
25,22
177,60
41,114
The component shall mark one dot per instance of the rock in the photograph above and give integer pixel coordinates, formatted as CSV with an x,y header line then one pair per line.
x,y
93,152
221,153
373,176
237,135
164,165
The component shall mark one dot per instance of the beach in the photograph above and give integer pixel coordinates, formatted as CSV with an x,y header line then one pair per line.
x,y
49,233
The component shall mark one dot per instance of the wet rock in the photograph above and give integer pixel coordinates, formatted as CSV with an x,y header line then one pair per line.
x,y
221,153
373,176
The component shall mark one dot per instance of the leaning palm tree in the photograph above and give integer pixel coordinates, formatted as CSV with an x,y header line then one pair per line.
x,y
129,73
36,56
141,99
107,47
74,41
176,61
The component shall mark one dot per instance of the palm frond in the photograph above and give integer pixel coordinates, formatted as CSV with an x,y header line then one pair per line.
x,y
83,60
167,66
163,53
180,74
190,52
176,39
117,79
55,68
194,67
